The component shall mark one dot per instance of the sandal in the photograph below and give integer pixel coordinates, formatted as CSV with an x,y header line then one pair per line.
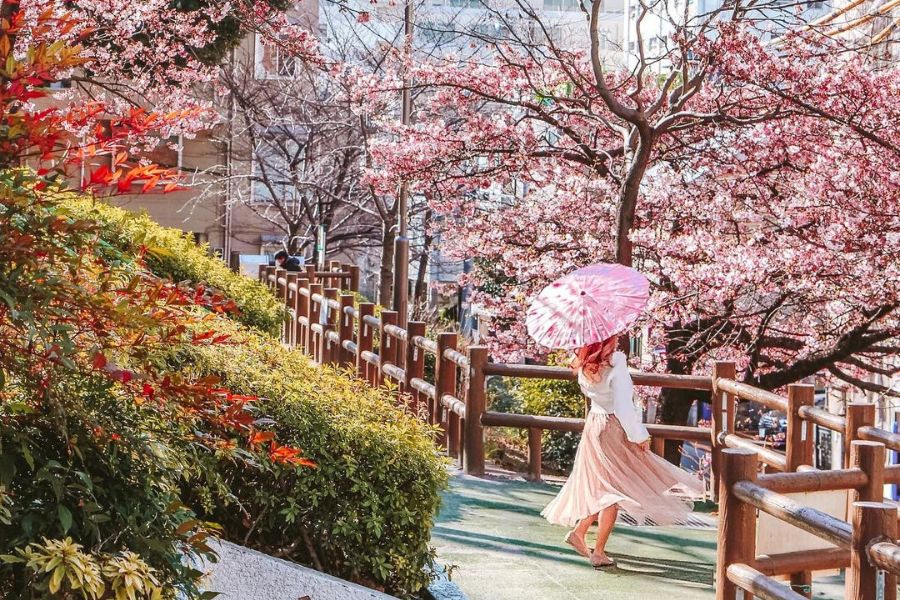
x,y
578,543
600,561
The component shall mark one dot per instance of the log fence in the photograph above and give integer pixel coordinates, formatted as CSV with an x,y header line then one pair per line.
x,y
866,545
328,324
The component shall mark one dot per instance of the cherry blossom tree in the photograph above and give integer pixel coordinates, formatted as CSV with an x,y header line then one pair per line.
x,y
749,178
159,55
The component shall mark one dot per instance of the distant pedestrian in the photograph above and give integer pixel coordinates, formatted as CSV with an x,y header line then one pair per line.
x,y
287,262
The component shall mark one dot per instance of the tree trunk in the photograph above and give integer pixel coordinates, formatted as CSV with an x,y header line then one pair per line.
x,y
674,404
293,243
419,292
386,272
628,196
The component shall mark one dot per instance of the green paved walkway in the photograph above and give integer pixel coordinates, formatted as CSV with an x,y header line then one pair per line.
x,y
491,530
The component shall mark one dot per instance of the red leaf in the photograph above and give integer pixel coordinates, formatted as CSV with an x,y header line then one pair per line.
x,y
99,361
261,437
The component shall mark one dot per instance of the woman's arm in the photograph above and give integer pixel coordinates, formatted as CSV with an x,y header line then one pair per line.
x,y
623,400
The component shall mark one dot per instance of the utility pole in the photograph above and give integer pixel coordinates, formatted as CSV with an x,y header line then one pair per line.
x,y
401,245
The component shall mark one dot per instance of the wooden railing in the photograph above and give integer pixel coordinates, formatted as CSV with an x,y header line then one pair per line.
x,y
793,472
331,327
866,546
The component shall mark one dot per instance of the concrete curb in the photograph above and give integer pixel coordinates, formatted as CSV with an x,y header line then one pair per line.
x,y
245,574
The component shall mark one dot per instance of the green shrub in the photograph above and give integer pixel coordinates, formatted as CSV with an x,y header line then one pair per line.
x,y
112,485
366,511
113,492
94,445
173,254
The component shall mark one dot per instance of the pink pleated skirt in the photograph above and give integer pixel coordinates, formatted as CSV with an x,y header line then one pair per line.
x,y
611,470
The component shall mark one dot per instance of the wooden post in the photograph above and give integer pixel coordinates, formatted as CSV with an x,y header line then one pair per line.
x,y
445,383
329,352
315,308
291,299
364,335
311,274
872,522
658,446
534,453
737,520
302,307
281,292
262,273
869,457
387,346
234,261
799,451
415,365
335,281
722,417
345,330
861,579
859,414
799,443
269,271
475,407
354,277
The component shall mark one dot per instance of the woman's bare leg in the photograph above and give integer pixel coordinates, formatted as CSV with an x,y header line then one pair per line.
x,y
575,538
583,525
605,523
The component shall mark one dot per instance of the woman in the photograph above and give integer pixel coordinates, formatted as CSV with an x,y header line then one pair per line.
x,y
614,469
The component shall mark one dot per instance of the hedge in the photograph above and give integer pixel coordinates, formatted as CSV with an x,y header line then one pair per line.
x,y
366,511
174,254
363,513
90,469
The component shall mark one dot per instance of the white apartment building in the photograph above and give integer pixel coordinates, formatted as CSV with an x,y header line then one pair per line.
x,y
867,19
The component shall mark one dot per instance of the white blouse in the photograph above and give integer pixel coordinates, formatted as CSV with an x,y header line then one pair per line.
x,y
613,393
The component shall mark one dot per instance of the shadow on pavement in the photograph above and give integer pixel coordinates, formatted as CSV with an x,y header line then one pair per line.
x,y
672,570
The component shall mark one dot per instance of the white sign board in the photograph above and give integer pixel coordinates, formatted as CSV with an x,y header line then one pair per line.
x,y
774,536
250,264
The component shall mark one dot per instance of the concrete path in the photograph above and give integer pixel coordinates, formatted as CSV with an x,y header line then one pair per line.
x,y
498,547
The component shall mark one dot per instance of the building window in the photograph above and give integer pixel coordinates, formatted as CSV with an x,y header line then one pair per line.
x,y
272,62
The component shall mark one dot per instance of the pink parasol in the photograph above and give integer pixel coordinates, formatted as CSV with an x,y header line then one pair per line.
x,y
587,306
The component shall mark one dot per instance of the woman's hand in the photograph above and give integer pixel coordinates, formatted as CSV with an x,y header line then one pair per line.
x,y
645,445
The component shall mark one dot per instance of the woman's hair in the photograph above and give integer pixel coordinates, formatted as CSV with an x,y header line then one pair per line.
x,y
591,359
